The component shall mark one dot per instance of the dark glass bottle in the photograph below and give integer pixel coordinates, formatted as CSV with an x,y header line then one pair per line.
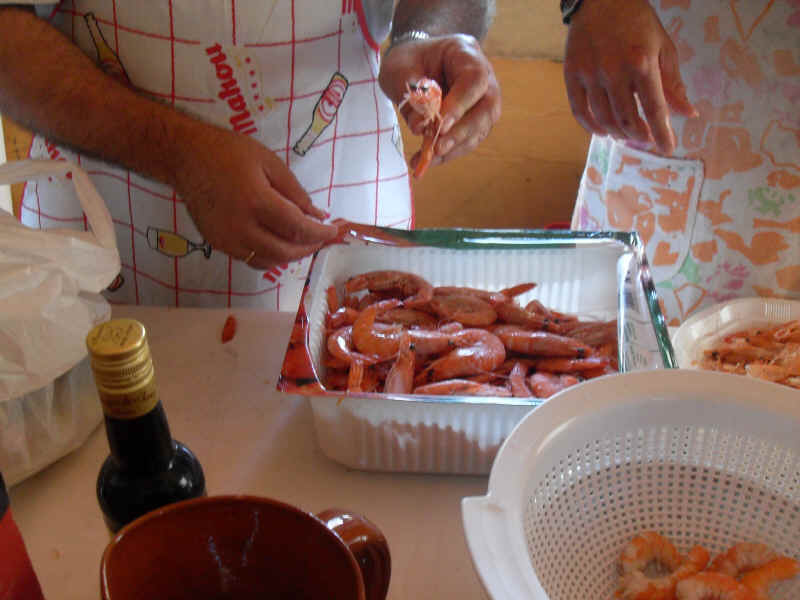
x,y
17,579
146,468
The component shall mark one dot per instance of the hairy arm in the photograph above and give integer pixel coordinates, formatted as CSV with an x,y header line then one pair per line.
x,y
48,85
441,17
241,196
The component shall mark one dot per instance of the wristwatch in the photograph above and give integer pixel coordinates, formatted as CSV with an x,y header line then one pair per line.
x,y
569,8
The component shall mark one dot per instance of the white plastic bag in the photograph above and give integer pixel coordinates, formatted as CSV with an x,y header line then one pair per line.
x,y
50,284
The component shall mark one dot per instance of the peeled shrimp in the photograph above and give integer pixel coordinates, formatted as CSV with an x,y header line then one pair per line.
x,y
759,580
742,557
477,351
712,586
650,548
415,290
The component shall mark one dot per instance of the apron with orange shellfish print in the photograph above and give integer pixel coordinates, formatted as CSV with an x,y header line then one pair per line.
x,y
720,218
300,76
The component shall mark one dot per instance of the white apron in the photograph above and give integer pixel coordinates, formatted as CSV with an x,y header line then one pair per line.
x,y
721,218
300,76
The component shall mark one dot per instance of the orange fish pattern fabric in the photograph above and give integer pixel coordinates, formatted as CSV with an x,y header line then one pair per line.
x,y
720,218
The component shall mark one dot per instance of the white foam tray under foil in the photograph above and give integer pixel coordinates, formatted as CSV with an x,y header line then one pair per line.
x,y
603,276
703,330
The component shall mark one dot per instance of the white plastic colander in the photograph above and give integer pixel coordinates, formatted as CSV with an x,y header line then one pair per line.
x,y
701,457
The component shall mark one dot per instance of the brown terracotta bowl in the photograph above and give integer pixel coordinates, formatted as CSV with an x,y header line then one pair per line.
x,y
243,548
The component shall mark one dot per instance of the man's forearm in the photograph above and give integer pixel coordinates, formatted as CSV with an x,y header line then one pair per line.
x,y
48,85
440,17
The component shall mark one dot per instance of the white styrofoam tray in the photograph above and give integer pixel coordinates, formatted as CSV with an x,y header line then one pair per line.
x,y
594,278
704,329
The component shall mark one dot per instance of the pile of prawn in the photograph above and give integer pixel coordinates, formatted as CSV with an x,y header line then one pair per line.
x,y
393,332
651,568
771,353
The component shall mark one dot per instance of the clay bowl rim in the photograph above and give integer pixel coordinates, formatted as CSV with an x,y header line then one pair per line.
x,y
181,505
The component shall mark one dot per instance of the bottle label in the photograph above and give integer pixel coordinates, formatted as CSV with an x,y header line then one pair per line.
x,y
130,404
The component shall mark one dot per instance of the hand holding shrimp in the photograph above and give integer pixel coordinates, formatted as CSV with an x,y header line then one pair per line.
x,y
470,99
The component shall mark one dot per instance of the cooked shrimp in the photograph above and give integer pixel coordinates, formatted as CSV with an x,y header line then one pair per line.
x,y
342,316
408,317
332,298
340,345
544,385
646,548
462,387
373,297
382,341
572,365
511,312
425,97
517,290
712,586
540,343
415,290
650,552
516,381
355,376
432,342
467,310
476,351
400,379
455,290
788,332
594,333
759,580
742,557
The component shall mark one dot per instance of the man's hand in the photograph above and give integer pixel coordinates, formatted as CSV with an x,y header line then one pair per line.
x,y
243,198
471,94
618,51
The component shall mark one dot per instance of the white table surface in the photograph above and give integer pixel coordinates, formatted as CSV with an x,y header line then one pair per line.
x,y
221,401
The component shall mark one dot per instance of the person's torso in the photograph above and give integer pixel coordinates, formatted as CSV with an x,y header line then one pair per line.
x,y
720,218
300,77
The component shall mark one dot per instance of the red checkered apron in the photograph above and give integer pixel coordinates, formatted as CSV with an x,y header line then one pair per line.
x,y
298,75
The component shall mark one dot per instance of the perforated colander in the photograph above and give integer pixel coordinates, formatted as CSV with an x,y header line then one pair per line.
x,y
703,458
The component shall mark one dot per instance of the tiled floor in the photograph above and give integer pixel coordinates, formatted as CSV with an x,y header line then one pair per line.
x,y
524,175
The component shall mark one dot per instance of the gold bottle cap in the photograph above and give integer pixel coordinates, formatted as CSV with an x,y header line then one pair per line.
x,y
123,368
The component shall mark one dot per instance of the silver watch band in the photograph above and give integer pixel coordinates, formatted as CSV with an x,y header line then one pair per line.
x,y
407,36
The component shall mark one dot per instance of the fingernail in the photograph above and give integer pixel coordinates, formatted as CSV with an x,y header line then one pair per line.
x,y
447,124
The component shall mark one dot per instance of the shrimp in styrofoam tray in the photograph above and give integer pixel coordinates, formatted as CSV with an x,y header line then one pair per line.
x,y
394,332
770,352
